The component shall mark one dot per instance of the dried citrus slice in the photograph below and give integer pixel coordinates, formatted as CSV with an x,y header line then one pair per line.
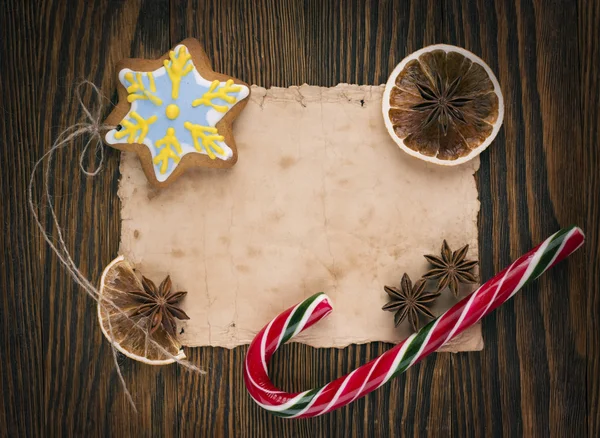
x,y
117,307
443,104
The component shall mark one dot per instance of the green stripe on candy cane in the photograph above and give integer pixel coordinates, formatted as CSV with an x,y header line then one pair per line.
x,y
296,318
413,349
395,361
554,246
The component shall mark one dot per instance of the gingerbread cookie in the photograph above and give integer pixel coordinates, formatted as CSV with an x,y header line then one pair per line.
x,y
176,112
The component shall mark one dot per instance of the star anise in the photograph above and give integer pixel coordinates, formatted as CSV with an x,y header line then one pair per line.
x,y
441,102
159,305
409,301
451,268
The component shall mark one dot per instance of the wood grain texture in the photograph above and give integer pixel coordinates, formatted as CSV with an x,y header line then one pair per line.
x,y
589,57
538,373
20,282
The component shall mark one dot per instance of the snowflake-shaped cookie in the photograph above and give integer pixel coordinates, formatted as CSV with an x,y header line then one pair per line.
x,y
175,113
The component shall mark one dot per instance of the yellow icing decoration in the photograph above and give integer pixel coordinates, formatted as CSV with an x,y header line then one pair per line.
x,y
172,111
168,142
138,79
131,129
221,93
145,96
152,84
136,83
163,158
176,68
137,90
208,135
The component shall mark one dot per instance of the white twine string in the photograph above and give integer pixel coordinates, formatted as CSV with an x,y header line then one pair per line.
x,y
93,128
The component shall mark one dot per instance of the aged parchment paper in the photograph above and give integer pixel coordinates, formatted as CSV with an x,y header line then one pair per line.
x,y
321,199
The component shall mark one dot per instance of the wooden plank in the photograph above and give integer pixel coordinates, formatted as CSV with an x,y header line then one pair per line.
x,y
273,43
589,58
530,378
20,280
82,394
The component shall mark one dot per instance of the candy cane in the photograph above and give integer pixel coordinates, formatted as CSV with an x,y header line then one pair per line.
x,y
390,364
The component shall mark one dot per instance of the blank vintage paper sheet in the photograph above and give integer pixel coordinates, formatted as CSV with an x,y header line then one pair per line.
x,y
321,199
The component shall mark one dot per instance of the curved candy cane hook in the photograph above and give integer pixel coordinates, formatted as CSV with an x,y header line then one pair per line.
x,y
390,364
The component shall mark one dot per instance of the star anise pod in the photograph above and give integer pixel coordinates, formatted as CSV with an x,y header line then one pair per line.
x,y
451,268
442,103
159,305
409,301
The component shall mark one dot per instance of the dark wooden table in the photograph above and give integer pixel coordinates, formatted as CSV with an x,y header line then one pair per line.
x,y
539,372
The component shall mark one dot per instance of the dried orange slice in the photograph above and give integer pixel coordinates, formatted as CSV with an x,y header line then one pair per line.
x,y
443,104
119,286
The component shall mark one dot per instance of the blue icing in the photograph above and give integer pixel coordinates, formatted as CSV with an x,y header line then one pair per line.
x,y
189,90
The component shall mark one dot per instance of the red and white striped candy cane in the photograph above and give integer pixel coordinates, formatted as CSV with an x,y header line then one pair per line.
x,y
390,364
